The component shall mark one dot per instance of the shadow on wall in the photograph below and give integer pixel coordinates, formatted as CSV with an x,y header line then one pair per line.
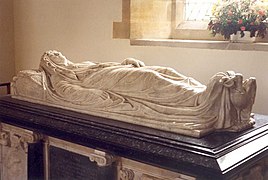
x,y
4,88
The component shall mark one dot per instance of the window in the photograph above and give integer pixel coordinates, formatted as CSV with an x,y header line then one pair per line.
x,y
191,19
165,19
197,14
198,10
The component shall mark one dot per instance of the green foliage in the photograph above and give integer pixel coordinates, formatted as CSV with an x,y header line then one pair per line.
x,y
231,16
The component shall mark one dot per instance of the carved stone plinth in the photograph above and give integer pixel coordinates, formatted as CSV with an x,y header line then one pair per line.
x,y
14,146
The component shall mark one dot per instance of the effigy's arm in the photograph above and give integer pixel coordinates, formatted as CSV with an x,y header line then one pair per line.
x,y
127,61
83,69
88,65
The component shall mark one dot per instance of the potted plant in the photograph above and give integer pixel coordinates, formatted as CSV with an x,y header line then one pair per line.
x,y
232,16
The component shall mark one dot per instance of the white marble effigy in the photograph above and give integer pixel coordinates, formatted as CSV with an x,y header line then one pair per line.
x,y
151,96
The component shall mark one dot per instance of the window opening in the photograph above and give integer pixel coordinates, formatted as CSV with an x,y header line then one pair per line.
x,y
198,10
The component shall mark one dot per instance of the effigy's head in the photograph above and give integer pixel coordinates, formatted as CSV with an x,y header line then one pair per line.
x,y
55,57
52,60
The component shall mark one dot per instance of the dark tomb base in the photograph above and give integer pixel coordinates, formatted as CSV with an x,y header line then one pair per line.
x,y
132,150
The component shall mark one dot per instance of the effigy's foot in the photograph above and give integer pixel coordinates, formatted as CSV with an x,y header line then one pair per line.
x,y
242,125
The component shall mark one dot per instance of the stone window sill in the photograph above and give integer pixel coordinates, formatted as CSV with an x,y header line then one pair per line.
x,y
201,44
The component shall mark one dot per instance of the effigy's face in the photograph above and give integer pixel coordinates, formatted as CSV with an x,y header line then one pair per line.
x,y
57,58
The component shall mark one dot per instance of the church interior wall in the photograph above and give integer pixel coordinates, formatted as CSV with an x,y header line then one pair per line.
x,y
7,63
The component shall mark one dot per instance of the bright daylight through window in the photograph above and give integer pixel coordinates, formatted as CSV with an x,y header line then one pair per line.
x,y
198,10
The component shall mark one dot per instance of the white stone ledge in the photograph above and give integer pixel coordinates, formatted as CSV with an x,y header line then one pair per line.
x,y
201,44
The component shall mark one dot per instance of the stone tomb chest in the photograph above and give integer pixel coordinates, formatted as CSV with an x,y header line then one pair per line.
x,y
43,142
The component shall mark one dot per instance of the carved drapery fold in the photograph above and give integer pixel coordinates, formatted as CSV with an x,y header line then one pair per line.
x,y
99,89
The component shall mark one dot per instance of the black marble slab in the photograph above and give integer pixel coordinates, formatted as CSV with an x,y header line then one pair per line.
x,y
35,161
203,157
66,165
